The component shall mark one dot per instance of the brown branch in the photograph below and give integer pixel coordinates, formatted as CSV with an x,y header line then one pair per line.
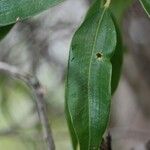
x,y
38,92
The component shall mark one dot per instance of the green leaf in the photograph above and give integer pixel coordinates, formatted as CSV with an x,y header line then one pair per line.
x,y
88,86
4,31
71,128
146,6
117,60
121,6
12,11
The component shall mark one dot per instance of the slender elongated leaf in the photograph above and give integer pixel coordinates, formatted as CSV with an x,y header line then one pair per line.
x,y
4,31
146,6
88,87
117,60
12,11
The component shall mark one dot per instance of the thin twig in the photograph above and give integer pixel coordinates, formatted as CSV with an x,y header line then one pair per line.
x,y
38,92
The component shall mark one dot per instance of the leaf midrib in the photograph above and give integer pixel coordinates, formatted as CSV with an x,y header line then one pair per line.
x,y
90,64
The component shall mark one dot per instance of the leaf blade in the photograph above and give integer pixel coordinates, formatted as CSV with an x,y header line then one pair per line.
x,y
116,60
12,11
71,128
88,91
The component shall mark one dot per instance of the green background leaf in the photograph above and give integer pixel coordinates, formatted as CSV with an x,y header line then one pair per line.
x,y
146,6
117,60
118,8
12,11
88,87
4,31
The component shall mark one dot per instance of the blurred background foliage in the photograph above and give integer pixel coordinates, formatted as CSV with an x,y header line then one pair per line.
x,y
40,46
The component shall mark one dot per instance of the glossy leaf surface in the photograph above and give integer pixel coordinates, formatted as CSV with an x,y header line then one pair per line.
x,y
88,87
146,6
12,11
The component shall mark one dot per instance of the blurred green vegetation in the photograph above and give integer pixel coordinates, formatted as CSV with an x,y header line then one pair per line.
x,y
19,123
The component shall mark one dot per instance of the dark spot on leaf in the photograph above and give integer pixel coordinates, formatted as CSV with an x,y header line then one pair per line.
x,y
99,56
